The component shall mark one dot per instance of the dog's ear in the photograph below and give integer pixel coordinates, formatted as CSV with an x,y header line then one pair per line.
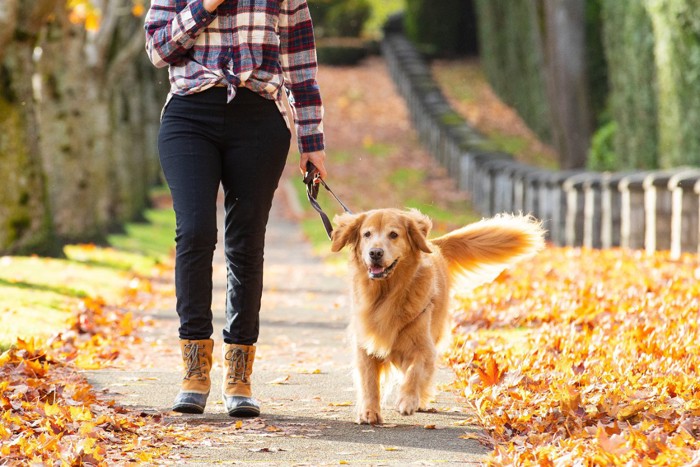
x,y
418,227
347,227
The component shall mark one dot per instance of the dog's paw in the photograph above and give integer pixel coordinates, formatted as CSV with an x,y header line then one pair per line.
x,y
408,404
369,417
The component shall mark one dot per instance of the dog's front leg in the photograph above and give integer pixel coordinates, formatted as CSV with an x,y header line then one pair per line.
x,y
368,372
417,386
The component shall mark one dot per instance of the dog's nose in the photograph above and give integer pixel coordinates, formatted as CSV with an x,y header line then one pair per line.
x,y
376,254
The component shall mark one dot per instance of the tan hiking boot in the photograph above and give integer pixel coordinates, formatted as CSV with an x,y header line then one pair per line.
x,y
197,356
238,366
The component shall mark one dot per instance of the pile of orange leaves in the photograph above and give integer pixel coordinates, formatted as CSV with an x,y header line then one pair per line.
x,y
51,415
583,357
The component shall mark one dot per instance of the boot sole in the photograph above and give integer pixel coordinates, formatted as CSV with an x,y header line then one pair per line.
x,y
188,408
245,411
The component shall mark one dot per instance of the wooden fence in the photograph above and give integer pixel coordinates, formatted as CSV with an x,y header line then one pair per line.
x,y
653,210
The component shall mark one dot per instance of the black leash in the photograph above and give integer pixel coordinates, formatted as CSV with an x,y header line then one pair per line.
x,y
313,179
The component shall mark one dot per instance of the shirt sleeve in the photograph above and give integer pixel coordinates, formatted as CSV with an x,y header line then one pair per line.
x,y
170,33
299,66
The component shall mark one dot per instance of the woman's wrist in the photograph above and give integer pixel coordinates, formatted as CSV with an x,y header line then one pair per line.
x,y
212,5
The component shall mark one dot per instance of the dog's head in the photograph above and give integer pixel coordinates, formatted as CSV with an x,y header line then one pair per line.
x,y
383,238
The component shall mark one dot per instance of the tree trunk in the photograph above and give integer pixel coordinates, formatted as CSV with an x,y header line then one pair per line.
x,y
629,49
24,212
512,57
97,116
676,25
564,45
134,110
79,113
73,128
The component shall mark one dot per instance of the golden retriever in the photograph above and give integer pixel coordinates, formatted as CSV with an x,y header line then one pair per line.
x,y
401,284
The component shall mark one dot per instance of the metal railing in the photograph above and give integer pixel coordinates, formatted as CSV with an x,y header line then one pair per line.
x,y
651,210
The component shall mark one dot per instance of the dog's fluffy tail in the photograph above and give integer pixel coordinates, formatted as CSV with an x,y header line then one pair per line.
x,y
479,252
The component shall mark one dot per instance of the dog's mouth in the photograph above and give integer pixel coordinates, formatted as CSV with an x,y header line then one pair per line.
x,y
377,271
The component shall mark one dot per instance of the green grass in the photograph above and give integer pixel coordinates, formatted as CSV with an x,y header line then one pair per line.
x,y
406,178
341,156
379,150
39,295
154,238
32,313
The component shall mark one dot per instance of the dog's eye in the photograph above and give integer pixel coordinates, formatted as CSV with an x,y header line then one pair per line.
x,y
367,234
393,235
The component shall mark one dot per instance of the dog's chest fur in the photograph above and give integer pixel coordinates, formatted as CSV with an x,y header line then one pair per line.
x,y
387,307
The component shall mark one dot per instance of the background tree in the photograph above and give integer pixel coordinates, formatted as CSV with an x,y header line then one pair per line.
x,y
86,104
25,223
626,72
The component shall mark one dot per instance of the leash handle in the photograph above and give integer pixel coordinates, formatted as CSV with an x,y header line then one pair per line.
x,y
312,179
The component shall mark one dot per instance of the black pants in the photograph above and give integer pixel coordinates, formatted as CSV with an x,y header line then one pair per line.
x,y
204,143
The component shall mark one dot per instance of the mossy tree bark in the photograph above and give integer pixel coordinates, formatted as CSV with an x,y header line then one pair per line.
x,y
99,116
80,114
25,224
676,26
629,48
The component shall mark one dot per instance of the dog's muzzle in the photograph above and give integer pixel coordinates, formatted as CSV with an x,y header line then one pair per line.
x,y
378,271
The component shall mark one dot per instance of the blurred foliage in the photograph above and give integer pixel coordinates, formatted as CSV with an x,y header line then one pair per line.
x,y
602,155
339,25
339,18
676,27
443,28
86,12
643,74
513,59
629,48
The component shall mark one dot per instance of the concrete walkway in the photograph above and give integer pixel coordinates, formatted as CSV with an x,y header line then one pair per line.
x,y
302,377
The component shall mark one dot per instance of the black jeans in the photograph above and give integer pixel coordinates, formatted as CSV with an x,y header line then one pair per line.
x,y
204,143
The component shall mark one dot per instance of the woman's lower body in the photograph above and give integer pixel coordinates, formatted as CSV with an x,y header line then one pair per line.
x,y
204,144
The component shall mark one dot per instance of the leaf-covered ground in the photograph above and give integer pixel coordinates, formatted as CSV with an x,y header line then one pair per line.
x,y
62,316
51,415
585,357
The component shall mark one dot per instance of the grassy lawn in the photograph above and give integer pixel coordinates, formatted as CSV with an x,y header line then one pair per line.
x,y
38,295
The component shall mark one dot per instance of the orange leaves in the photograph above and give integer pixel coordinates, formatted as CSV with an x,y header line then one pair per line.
x,y
85,12
45,417
138,8
50,415
585,355
489,372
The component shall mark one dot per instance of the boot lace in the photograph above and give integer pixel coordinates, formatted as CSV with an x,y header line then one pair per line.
x,y
237,360
195,366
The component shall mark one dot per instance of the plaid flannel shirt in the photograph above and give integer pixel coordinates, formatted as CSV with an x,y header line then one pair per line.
x,y
263,45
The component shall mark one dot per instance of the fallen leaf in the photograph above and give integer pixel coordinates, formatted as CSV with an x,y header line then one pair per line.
x,y
341,404
280,380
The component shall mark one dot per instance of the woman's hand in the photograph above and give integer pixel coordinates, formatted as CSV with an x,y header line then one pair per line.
x,y
317,158
212,5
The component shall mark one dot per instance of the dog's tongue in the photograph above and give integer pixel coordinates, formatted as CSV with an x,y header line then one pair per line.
x,y
376,269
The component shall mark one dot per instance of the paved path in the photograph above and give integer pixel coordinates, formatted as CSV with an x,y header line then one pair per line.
x,y
302,377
